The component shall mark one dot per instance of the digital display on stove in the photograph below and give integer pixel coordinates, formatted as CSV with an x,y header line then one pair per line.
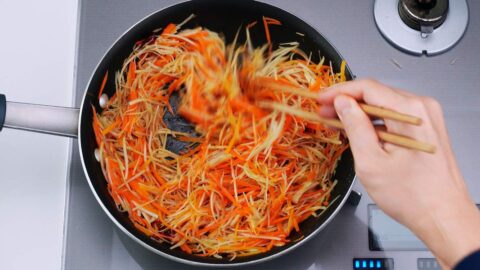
x,y
384,233
373,263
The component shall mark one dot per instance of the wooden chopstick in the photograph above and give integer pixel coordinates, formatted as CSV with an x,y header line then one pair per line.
x,y
406,142
389,114
369,109
396,139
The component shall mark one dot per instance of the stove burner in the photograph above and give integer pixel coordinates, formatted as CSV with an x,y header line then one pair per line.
x,y
423,14
422,26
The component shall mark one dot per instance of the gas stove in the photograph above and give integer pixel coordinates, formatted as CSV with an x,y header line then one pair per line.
x,y
361,236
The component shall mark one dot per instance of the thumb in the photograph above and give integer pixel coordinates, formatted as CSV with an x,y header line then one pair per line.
x,y
360,131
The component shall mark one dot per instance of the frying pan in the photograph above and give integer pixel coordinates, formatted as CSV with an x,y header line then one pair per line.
x,y
225,17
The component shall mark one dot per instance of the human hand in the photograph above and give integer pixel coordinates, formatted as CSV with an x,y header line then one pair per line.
x,y
425,192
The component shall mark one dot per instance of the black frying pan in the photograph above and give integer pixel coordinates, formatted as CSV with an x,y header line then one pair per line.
x,y
218,15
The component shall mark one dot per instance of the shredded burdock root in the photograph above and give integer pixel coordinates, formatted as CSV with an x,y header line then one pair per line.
x,y
250,175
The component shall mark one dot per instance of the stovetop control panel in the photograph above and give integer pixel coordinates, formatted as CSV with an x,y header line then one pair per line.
x,y
385,234
388,264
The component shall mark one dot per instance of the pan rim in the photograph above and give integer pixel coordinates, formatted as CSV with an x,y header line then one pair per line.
x,y
148,246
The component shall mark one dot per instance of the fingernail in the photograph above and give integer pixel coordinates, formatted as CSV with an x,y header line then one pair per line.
x,y
342,104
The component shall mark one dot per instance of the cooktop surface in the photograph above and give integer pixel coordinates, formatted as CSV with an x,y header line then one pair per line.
x,y
360,237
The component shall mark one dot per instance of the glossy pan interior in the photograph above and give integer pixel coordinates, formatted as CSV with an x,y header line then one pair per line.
x,y
224,17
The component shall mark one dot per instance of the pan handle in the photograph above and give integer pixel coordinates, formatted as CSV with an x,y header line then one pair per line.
x,y
61,121
354,198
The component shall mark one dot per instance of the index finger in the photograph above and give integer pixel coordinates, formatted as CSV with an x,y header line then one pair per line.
x,y
370,91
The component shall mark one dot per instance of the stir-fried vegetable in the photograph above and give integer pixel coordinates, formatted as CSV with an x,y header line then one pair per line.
x,y
251,174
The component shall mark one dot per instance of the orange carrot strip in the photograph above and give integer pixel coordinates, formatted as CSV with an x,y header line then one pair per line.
x,y
252,24
102,86
266,22
170,29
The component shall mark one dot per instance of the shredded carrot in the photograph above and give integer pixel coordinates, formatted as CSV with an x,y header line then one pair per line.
x,y
266,22
102,86
248,176
170,29
252,24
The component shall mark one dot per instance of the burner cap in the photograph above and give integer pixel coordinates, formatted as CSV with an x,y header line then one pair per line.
x,y
423,13
416,33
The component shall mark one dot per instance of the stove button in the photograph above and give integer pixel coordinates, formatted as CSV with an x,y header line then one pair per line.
x,y
428,264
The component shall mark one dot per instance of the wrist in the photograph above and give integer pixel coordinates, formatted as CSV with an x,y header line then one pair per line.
x,y
451,230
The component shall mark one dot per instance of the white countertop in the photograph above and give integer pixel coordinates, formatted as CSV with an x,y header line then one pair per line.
x,y
37,50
